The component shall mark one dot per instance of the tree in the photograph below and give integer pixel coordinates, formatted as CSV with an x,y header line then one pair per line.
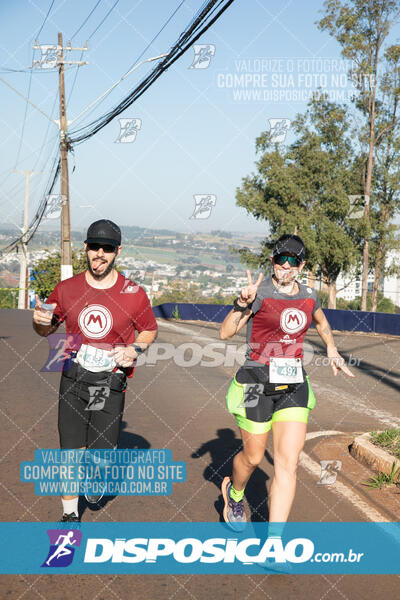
x,y
383,304
46,271
179,292
386,180
361,28
305,190
8,298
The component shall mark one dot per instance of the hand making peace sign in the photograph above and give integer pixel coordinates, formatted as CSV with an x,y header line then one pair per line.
x,y
248,293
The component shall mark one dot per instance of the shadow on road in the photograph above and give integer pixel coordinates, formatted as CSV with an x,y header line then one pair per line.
x,y
222,450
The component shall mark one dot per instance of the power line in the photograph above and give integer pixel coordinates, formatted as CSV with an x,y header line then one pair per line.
x,y
55,171
206,16
89,38
196,28
156,36
137,59
47,132
45,19
86,20
29,87
102,21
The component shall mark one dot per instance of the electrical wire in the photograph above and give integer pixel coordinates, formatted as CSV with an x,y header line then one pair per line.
x,y
138,58
86,20
54,173
29,87
206,16
196,28
156,36
89,38
102,21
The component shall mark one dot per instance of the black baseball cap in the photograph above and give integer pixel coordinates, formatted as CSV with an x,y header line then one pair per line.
x,y
290,244
104,232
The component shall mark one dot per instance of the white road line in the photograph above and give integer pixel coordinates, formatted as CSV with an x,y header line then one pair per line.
x,y
339,488
314,434
339,397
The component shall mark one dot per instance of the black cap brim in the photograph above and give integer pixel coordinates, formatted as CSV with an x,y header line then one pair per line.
x,y
289,248
102,241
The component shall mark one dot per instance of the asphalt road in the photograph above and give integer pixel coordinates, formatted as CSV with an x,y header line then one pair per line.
x,y
179,403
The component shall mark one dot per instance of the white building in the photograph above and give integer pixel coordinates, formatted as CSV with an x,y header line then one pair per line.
x,y
391,284
349,287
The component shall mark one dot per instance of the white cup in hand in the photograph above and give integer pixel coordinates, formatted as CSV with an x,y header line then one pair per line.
x,y
43,313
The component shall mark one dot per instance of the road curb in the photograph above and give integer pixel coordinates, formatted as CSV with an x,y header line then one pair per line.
x,y
372,456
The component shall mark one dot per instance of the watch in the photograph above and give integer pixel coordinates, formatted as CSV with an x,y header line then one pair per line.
x,y
138,349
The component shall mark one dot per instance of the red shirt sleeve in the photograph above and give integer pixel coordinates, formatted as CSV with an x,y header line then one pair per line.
x,y
143,318
54,298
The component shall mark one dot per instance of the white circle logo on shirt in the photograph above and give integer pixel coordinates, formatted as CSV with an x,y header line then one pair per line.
x,y
95,321
293,320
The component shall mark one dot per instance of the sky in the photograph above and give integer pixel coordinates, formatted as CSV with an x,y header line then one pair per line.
x,y
192,136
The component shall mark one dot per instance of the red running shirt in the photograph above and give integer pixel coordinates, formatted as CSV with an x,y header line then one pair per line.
x,y
101,318
279,322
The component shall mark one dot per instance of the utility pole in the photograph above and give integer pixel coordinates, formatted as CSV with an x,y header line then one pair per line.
x,y
53,57
152,289
66,250
23,268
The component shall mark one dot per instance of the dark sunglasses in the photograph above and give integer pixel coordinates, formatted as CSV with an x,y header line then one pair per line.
x,y
293,261
107,248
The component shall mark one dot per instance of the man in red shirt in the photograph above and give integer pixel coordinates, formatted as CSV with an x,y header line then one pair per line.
x,y
101,310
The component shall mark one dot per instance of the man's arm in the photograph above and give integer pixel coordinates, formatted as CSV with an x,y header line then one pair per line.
x,y
127,356
145,338
43,322
325,332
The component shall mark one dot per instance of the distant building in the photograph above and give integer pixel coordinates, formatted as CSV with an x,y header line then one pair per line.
x,y
391,284
350,287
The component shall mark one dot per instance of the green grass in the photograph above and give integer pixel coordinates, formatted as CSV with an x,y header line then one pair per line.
x,y
388,439
382,479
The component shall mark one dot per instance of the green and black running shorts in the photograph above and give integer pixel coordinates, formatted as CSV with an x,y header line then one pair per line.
x,y
251,399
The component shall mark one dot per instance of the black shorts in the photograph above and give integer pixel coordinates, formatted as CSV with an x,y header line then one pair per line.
x,y
90,407
256,408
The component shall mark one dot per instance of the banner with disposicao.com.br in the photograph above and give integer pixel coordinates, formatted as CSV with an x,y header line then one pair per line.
x,y
198,548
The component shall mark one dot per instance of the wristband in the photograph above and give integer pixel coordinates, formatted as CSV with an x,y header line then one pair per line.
x,y
138,349
237,307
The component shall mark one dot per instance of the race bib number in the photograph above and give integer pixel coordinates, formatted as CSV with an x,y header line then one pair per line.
x,y
285,370
95,359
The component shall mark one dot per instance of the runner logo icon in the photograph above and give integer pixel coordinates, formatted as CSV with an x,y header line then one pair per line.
x,y
95,321
293,320
62,547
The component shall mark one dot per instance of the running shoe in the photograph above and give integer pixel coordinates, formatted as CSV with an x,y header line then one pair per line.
x,y
233,511
95,498
277,567
270,564
71,518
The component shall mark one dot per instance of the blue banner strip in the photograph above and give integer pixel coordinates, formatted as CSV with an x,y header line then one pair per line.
x,y
198,548
341,320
